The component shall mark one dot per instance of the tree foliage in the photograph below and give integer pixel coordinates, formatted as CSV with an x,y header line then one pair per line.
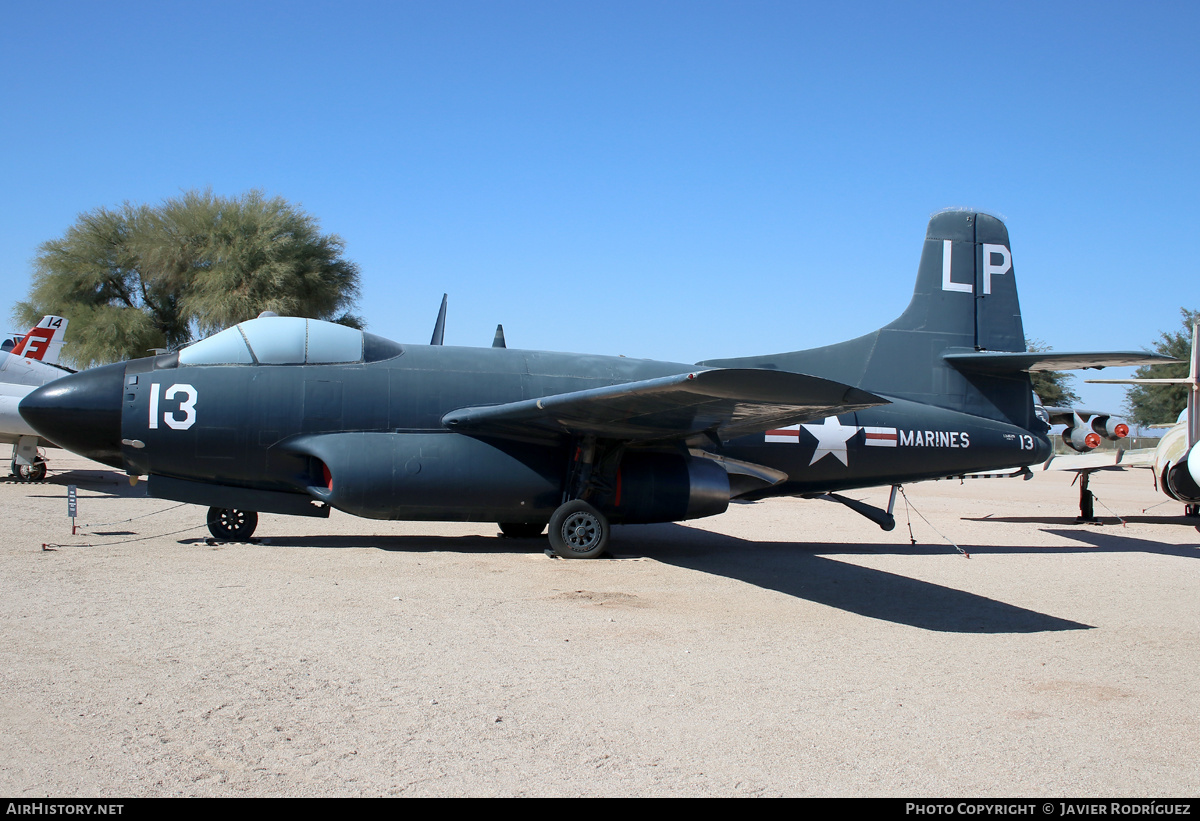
x,y
1054,387
1159,404
135,278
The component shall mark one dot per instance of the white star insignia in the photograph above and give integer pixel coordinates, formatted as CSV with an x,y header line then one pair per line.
x,y
831,438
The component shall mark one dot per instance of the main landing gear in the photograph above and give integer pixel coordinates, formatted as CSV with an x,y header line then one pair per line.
x,y
28,464
230,525
578,531
29,473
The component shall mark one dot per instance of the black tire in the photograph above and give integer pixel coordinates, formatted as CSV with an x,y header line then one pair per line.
x,y
522,530
578,531
1192,511
230,525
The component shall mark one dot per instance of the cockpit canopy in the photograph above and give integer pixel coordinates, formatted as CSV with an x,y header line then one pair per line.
x,y
284,340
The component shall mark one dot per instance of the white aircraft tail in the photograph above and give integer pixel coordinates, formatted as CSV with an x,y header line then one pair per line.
x,y
44,341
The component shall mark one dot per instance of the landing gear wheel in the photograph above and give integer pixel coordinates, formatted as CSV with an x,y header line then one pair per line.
x,y
1192,511
522,530
29,473
578,531
230,525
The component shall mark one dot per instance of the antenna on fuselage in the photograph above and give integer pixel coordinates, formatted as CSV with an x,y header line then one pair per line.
x,y
439,327
498,342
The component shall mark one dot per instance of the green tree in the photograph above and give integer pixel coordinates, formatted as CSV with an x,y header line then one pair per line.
x,y
1157,404
138,277
1054,387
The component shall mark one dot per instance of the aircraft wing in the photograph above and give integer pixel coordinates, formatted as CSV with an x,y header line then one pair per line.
x,y
1005,362
1102,460
728,402
1063,416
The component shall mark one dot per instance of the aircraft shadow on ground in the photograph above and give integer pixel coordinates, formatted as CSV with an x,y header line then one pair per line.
x,y
806,571
104,482
1110,537
792,568
1105,521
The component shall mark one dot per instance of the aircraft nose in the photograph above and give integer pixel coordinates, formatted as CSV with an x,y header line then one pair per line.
x,y
81,412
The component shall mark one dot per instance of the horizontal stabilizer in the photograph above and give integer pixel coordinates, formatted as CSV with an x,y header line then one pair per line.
x,y
1005,362
1102,460
726,402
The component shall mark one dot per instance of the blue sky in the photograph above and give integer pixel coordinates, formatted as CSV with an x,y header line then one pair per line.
x,y
674,180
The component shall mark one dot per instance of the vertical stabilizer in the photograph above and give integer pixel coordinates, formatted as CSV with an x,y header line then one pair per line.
x,y
44,341
965,299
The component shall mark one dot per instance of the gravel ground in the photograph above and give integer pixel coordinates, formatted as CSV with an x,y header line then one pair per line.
x,y
787,647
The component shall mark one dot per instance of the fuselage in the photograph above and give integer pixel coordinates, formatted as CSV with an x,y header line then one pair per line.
x,y
368,436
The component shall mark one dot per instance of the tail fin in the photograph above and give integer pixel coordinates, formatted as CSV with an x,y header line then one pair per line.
x,y
966,291
965,300
44,340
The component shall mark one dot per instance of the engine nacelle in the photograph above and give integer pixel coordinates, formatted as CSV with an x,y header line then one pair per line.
x,y
1110,428
1080,439
1181,480
431,477
667,487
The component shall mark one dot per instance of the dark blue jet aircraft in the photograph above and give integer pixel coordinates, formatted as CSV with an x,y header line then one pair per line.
x,y
292,415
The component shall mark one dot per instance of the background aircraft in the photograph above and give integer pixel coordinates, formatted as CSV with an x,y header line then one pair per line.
x,y
1085,429
28,364
289,415
1175,461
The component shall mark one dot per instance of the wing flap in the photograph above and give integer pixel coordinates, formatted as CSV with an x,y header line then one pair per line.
x,y
727,402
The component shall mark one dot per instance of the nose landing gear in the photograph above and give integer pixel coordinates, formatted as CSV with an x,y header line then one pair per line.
x,y
228,525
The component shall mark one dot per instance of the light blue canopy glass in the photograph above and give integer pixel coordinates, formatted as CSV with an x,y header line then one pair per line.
x,y
278,340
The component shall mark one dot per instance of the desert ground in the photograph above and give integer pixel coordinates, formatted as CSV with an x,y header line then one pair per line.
x,y
788,647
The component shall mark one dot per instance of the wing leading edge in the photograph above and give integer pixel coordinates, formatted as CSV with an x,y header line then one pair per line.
x,y
727,402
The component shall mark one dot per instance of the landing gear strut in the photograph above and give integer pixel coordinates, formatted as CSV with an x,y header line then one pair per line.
x,y
1087,509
